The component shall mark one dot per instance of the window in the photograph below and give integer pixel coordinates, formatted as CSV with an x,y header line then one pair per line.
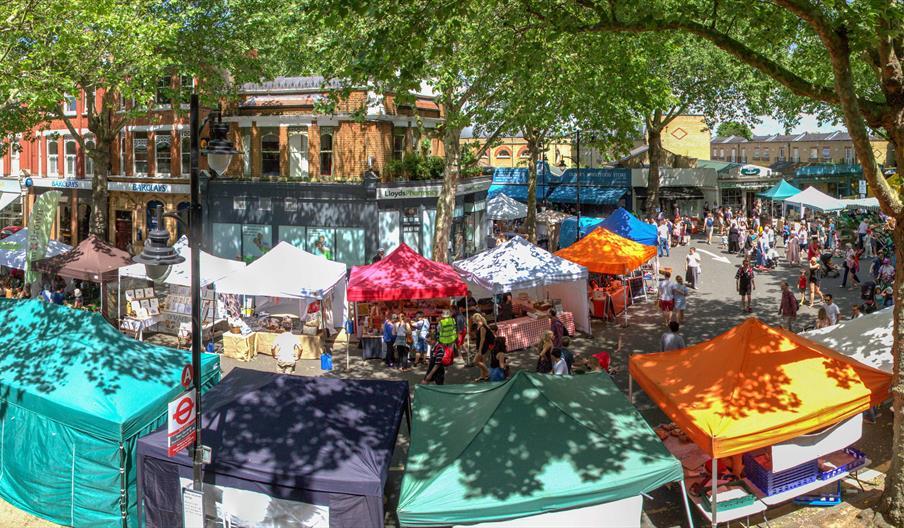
x,y
290,205
350,246
122,153
240,203
140,153
503,153
13,159
814,153
524,153
162,153
256,240
185,153
795,155
766,154
326,151
848,155
89,162
246,153
53,158
721,153
743,155
226,240
265,204
70,158
826,153
781,154
398,144
185,89
270,153
294,235
70,105
756,153
298,153
734,155
164,90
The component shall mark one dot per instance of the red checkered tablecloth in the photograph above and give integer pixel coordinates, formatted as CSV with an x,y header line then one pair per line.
x,y
526,331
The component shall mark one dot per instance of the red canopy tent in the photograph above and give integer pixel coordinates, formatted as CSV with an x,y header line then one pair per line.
x,y
402,275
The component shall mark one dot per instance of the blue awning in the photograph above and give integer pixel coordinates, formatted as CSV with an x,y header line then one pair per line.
x,y
589,195
516,191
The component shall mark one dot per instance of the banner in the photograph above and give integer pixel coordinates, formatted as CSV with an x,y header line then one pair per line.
x,y
40,222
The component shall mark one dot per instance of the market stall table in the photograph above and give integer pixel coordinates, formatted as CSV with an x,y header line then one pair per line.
x,y
526,331
136,326
311,345
238,346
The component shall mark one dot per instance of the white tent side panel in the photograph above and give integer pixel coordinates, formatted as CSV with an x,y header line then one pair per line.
x,y
574,300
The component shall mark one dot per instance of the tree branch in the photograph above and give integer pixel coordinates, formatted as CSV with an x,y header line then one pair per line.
x,y
72,131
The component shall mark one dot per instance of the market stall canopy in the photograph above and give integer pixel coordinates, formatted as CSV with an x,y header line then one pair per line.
x,y
91,260
14,249
779,191
861,203
300,435
501,207
285,271
518,265
403,275
603,251
212,268
755,386
550,216
626,225
568,233
579,443
79,393
813,198
867,339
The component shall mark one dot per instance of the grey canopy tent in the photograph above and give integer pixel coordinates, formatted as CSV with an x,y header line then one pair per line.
x,y
501,207
286,451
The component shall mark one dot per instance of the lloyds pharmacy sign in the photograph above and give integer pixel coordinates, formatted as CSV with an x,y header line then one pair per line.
x,y
428,191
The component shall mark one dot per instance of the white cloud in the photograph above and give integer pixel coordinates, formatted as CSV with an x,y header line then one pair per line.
x,y
808,123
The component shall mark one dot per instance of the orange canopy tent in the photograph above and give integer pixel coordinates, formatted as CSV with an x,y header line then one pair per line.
x,y
603,251
755,386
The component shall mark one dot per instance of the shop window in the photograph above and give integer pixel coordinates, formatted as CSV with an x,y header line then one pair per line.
x,y
503,153
321,241
70,105
411,228
185,153
70,150
89,161
151,215
256,240
53,158
162,153
350,246
270,153
226,240
326,151
295,235
140,153
183,210
398,144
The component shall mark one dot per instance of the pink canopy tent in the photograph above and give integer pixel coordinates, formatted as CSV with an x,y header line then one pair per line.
x,y
402,275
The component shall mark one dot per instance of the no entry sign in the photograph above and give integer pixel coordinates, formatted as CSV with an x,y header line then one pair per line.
x,y
181,423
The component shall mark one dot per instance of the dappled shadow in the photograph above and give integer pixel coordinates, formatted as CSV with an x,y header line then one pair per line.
x,y
91,260
516,265
404,274
867,339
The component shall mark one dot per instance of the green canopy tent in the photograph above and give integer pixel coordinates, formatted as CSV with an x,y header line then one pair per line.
x,y
778,192
75,395
535,445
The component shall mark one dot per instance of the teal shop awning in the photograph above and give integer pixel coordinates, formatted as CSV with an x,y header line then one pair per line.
x,y
779,191
589,195
829,169
531,445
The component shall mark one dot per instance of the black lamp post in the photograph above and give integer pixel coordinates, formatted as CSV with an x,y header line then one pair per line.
x,y
158,255
577,161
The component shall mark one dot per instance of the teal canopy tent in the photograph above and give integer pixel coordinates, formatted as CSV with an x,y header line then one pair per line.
x,y
533,445
75,395
779,191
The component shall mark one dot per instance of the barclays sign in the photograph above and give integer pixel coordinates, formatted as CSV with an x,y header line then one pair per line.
x,y
161,188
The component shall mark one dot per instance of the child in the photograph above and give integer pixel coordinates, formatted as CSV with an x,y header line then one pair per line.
x,y
723,242
802,286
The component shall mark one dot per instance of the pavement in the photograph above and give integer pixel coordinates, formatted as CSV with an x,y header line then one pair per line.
x,y
712,309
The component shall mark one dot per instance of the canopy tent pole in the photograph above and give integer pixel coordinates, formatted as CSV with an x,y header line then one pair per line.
x,y
467,331
630,386
714,499
626,286
687,506
118,299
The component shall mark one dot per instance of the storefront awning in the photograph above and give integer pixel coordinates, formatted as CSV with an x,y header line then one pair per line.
x,y
681,193
589,195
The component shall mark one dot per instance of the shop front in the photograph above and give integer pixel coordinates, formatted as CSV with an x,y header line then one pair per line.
x,y
837,180
687,191
132,207
739,186
347,222
11,203
74,212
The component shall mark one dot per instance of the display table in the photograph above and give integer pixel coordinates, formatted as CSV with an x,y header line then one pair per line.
x,y
311,346
136,326
526,331
372,347
239,347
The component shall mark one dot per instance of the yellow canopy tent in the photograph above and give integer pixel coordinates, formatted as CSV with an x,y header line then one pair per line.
x,y
602,251
755,386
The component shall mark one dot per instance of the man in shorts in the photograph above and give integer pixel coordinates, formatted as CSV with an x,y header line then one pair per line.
x,y
666,299
286,350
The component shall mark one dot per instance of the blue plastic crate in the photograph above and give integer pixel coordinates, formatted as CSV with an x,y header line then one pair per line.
x,y
773,483
859,460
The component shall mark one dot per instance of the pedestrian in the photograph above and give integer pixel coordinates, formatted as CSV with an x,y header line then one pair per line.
x,y
506,308
813,281
734,237
856,311
286,349
498,361
486,339
389,337
851,266
671,340
861,232
662,234
403,341
544,355
832,310
708,224
788,307
436,372
868,244
557,327
666,300
822,318
77,300
421,330
679,294
447,331
745,284
58,297
46,294
379,256
559,367
567,354
693,268
802,286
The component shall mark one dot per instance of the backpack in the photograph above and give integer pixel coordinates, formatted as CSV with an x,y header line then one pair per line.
x,y
448,355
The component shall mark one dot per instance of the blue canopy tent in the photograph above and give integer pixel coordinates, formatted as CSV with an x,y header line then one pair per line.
x,y
568,232
626,225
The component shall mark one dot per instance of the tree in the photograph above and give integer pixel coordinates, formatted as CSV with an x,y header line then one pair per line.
x,y
734,128
116,53
841,58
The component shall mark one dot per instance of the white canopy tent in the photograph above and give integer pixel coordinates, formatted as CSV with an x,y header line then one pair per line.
x,y
14,249
815,199
286,272
518,266
212,268
866,339
502,207
861,203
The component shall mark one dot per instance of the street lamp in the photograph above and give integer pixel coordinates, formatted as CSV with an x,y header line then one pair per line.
x,y
158,255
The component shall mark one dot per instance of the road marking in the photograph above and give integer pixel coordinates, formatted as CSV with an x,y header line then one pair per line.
x,y
718,258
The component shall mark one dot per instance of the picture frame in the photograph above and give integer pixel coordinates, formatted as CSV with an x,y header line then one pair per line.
x,y
136,306
139,293
155,304
146,304
153,310
130,295
148,293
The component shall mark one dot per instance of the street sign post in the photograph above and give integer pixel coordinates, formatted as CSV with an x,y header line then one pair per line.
x,y
187,378
180,423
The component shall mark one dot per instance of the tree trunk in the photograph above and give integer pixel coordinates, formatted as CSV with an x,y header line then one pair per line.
x,y
654,140
530,222
445,204
98,223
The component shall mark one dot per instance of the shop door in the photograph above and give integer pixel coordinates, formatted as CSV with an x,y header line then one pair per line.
x,y
298,154
123,229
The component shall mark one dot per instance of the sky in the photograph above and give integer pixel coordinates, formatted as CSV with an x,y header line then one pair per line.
x,y
808,123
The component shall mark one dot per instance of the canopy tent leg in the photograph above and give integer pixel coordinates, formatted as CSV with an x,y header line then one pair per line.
x,y
630,387
714,499
118,300
467,331
687,506
626,287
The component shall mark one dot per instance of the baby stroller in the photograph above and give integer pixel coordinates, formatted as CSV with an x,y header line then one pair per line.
x,y
828,269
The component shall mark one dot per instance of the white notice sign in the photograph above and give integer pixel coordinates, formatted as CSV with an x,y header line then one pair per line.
x,y
192,508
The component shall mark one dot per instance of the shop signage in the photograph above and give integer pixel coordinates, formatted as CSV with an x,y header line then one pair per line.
x,y
56,183
162,188
862,188
428,191
186,377
750,171
180,423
